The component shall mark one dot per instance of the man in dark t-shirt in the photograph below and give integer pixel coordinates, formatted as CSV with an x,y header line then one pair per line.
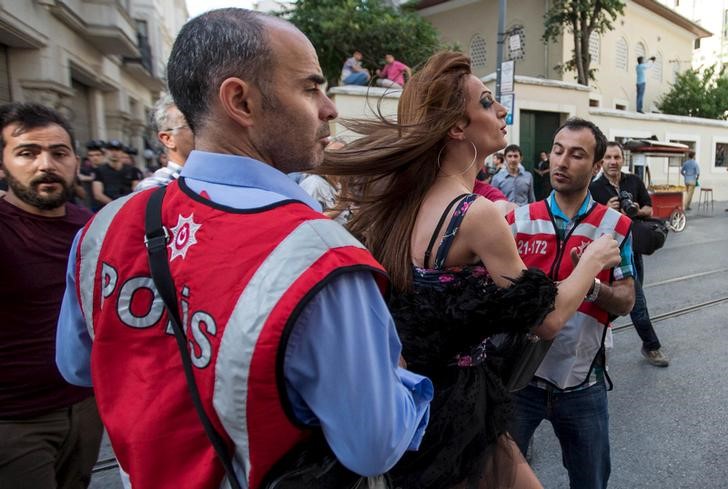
x,y
50,431
113,179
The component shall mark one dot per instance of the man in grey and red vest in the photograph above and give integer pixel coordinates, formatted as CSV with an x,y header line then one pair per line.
x,y
287,330
570,386
50,431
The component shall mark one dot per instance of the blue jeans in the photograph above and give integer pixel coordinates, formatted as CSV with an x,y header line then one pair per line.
x,y
581,423
640,315
640,95
357,78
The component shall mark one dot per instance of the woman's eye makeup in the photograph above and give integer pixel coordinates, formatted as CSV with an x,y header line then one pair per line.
x,y
486,102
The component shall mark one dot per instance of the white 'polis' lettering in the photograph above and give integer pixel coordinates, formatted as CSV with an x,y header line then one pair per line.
x,y
201,324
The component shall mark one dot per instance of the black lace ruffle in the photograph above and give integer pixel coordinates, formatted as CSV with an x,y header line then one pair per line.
x,y
435,323
471,408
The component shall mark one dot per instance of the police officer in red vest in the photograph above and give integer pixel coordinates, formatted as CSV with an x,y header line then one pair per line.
x,y
569,388
287,333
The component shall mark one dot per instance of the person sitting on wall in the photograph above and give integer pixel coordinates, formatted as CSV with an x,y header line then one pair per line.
x,y
393,73
352,73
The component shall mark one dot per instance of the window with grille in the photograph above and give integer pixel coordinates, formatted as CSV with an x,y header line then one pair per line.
x,y
622,54
657,67
594,47
478,51
640,50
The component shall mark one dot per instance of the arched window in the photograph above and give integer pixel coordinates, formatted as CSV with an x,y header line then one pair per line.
x,y
594,47
622,54
639,50
657,68
478,51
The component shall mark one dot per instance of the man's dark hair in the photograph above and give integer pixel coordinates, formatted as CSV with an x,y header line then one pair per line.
x,y
615,144
576,124
31,116
513,148
216,45
640,59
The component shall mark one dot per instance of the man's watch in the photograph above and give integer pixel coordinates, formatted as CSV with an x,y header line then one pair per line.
x,y
593,293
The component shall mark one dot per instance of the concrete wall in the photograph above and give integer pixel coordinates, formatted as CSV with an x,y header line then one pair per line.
x,y
360,103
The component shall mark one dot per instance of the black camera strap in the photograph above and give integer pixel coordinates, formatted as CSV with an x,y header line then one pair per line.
x,y
156,238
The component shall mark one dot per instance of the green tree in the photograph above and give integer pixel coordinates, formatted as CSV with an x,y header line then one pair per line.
x,y
698,94
580,18
339,27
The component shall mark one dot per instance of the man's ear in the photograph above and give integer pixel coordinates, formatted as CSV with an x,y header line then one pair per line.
x,y
236,100
596,167
166,139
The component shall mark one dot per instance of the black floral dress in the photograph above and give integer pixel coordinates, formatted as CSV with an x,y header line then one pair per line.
x,y
445,322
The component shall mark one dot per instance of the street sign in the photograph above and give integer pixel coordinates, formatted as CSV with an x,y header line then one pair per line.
x,y
507,100
508,69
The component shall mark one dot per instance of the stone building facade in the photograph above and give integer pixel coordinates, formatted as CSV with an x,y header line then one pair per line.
x,y
100,62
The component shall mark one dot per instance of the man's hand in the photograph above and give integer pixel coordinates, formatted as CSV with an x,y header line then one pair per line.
x,y
604,251
613,203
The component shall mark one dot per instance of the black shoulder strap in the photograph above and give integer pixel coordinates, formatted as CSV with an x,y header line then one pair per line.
x,y
444,215
156,242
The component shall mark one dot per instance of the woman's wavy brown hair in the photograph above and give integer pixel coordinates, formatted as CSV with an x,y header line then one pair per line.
x,y
387,172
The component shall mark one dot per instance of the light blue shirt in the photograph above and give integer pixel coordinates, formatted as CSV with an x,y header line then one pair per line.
x,y
517,189
641,69
690,171
341,359
564,224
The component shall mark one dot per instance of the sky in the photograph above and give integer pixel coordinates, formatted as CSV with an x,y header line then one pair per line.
x,y
196,7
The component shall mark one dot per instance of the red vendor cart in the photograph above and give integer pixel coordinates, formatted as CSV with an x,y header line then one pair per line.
x,y
667,199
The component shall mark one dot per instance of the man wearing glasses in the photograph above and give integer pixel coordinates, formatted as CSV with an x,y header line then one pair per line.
x,y
176,136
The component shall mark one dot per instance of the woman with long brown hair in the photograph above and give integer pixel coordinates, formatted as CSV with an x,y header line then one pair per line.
x,y
456,274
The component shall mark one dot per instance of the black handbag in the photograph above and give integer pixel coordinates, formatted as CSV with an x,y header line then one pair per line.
x,y
519,358
648,235
311,464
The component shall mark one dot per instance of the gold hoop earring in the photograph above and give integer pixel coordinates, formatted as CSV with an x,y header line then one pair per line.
x,y
439,164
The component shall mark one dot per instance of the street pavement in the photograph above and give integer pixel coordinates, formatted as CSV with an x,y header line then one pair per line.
x,y
668,426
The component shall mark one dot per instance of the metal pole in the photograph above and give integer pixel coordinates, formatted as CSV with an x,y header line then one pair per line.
x,y
501,41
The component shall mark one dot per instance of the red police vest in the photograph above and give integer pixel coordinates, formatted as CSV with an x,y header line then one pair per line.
x,y
571,356
242,277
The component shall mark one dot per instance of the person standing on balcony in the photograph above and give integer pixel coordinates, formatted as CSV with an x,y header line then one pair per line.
x,y
641,68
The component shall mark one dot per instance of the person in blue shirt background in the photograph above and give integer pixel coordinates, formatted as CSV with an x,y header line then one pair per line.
x,y
690,171
642,66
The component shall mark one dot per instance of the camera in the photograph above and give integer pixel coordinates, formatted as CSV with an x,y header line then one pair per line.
x,y
627,205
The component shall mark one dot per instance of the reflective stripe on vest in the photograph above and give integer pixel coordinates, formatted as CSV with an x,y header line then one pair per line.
x,y
570,359
302,248
88,257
